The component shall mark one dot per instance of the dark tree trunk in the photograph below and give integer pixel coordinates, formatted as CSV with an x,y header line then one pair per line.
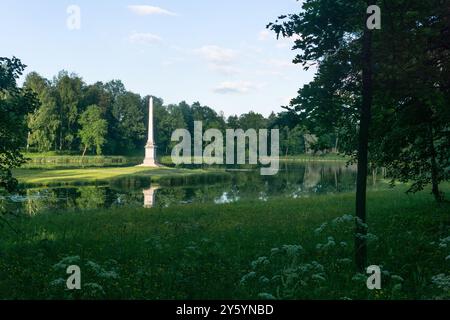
x,y
336,145
60,139
363,147
434,169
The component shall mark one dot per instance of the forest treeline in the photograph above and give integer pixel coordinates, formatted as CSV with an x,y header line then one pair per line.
x,y
105,118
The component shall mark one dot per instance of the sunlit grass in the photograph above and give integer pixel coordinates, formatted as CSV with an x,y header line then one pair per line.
x,y
55,177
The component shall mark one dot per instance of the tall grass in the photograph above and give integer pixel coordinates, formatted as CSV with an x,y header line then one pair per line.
x,y
283,248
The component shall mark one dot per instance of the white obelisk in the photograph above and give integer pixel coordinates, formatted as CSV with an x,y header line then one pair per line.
x,y
150,148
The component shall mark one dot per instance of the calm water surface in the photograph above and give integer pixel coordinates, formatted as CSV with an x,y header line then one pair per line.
x,y
295,180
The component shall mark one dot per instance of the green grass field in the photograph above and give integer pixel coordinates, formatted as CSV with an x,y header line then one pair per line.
x,y
293,249
53,160
90,176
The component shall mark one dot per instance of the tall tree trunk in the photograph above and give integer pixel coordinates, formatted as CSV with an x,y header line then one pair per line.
x,y
336,145
363,146
434,168
84,151
28,141
60,139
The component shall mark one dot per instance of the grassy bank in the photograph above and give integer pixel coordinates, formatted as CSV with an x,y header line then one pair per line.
x,y
55,161
298,248
167,160
312,158
92,176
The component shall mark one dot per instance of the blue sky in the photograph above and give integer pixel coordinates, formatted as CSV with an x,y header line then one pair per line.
x,y
215,52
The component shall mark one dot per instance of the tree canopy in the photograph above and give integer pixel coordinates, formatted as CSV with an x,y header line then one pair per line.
x,y
15,104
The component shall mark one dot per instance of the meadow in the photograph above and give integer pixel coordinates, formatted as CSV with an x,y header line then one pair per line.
x,y
278,249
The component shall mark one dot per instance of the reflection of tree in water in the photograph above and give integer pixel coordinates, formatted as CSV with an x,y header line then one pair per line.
x,y
169,196
38,200
206,194
91,197
306,178
312,177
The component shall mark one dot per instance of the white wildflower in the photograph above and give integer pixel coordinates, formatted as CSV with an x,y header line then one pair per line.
x,y
442,281
67,261
264,279
94,289
274,251
247,277
58,282
318,277
260,261
321,228
292,250
266,296
343,219
397,278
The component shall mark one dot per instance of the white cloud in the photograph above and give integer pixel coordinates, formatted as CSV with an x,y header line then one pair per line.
x,y
230,87
144,10
265,35
219,59
144,38
278,63
224,69
217,55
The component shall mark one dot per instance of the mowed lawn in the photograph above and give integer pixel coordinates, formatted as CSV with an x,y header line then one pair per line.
x,y
52,177
282,248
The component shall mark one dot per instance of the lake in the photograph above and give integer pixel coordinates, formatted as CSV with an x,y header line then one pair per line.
x,y
295,180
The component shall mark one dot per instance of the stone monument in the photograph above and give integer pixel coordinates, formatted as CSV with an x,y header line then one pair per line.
x,y
150,147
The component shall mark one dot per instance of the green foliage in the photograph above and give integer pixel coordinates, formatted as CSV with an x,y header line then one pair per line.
x,y
45,121
64,99
15,104
93,129
128,113
410,119
68,94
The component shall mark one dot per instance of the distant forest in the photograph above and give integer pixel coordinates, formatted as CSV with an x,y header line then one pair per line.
x,y
105,118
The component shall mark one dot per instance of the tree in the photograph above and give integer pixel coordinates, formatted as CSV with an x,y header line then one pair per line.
x,y
93,129
128,112
252,120
69,95
334,36
43,124
363,147
396,78
413,114
167,120
15,104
